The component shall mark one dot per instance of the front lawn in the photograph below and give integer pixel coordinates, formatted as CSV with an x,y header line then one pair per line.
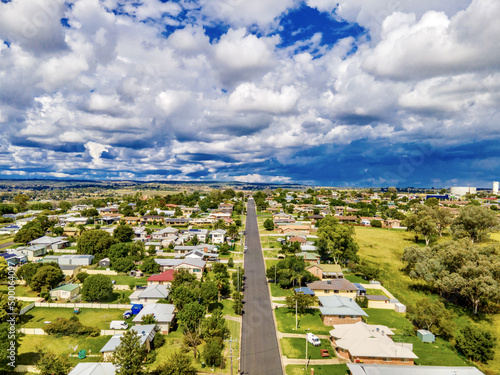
x,y
308,322
355,278
29,345
226,305
99,318
318,369
126,280
21,291
277,291
295,347
389,318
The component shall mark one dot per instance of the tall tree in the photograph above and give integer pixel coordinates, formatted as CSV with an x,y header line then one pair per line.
x,y
95,242
52,364
476,343
123,233
97,287
336,241
130,354
177,363
46,276
422,222
473,222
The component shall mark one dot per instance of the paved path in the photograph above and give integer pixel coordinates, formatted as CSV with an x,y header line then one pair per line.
x,y
260,353
311,362
7,244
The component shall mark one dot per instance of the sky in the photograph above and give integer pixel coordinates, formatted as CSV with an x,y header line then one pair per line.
x,y
322,92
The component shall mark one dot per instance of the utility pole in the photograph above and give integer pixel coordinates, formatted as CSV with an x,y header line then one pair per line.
x,y
306,351
296,322
231,352
275,266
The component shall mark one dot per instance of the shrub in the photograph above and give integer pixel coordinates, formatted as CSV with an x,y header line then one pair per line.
x,y
70,327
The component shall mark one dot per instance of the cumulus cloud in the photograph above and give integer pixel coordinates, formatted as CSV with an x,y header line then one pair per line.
x,y
206,89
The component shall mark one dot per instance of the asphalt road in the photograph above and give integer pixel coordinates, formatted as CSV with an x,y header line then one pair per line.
x,y
259,345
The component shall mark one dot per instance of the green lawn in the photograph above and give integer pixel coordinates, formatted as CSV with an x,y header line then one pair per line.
x,y
226,305
270,262
126,280
318,370
277,291
6,239
375,292
390,319
60,345
99,318
21,291
309,322
355,278
384,249
295,347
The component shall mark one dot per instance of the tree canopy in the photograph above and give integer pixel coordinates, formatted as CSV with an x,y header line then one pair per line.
x,y
336,240
473,222
95,242
97,287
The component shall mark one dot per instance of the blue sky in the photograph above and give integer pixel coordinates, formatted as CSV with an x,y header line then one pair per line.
x,y
342,93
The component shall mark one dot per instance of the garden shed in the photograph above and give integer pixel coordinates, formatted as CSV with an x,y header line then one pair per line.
x,y
425,336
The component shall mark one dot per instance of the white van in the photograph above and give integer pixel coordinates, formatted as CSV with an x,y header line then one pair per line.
x,y
313,339
118,324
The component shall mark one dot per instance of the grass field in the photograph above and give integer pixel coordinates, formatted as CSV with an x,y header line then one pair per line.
x,y
21,291
355,278
295,347
318,370
28,349
384,248
99,318
308,322
277,291
126,280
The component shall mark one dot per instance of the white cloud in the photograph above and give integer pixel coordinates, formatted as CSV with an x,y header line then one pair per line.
x,y
95,150
257,178
247,97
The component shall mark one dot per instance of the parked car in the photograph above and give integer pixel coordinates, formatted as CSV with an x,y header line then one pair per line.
x,y
118,324
127,314
313,339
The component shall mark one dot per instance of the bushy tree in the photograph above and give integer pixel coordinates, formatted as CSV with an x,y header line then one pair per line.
x,y
27,271
70,327
301,300
215,326
81,276
52,364
238,303
191,316
432,316
212,352
130,354
150,266
182,296
336,241
476,344
269,224
26,235
95,242
8,306
123,233
122,264
474,222
148,319
97,287
46,276
177,363
7,357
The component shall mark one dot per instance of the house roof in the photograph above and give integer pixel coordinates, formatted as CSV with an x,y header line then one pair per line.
x,y
163,313
66,288
372,369
94,368
46,240
177,262
335,284
372,297
145,331
363,340
168,275
338,305
155,291
304,290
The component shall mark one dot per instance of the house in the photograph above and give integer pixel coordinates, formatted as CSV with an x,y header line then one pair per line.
x,y
153,245
381,302
194,266
293,228
163,313
176,221
104,262
164,278
301,240
165,233
33,252
146,335
131,220
53,243
10,229
341,287
183,249
226,207
70,271
309,257
11,259
76,260
326,271
70,231
151,294
201,234
374,369
68,291
140,233
340,310
218,236
94,368
19,255
361,342
148,219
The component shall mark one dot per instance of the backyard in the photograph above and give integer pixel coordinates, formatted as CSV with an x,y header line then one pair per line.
x,y
318,370
308,322
295,347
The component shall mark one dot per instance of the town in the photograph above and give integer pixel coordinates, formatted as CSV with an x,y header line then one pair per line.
x,y
167,279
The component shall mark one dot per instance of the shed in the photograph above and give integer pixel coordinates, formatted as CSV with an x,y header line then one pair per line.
x,y
425,336
400,308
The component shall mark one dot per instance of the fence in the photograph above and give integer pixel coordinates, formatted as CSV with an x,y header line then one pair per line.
x,y
111,332
33,331
84,305
102,272
121,287
65,251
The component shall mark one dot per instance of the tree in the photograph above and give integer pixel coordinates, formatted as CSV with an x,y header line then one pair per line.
x,y
422,222
97,287
230,263
212,352
46,276
269,224
473,222
238,303
432,316
191,316
232,231
4,268
133,250
376,223
476,344
8,353
208,293
303,301
64,206
26,235
177,363
220,224
224,249
215,326
27,271
81,276
9,306
122,264
21,200
336,240
95,242
148,319
130,354
123,233
150,266
195,241
183,277
52,364
182,296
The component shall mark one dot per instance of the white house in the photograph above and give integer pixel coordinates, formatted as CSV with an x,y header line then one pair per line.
x,y
218,236
163,313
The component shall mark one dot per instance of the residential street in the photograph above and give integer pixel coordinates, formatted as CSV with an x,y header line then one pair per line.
x,y
259,345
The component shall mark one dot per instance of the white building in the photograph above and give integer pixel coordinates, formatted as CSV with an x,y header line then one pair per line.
x,y
495,187
460,191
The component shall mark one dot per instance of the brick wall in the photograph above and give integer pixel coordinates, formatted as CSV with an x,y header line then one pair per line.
x,y
330,320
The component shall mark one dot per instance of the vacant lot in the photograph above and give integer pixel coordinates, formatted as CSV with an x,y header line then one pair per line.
x,y
99,318
308,322
295,347
318,370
